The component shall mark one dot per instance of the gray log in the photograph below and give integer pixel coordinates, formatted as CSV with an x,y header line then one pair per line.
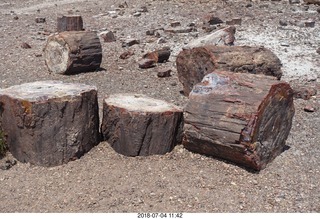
x,y
48,123
69,23
243,118
137,125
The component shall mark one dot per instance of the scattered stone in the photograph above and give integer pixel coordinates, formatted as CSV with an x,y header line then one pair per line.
x,y
234,21
160,55
175,24
123,5
143,9
318,10
25,46
212,20
208,28
179,30
304,93
150,32
15,17
137,14
315,2
161,40
309,109
127,54
286,44
40,20
221,37
107,36
309,23
283,23
294,1
249,5
130,42
173,83
146,63
318,50
192,24
38,55
162,73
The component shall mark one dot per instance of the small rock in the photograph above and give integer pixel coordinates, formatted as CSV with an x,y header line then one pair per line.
x,y
137,14
212,20
126,54
40,20
234,21
249,5
309,23
107,36
161,40
304,93
146,63
318,50
179,30
283,23
15,18
25,46
318,10
294,1
316,2
123,5
309,109
284,44
208,28
175,24
130,42
162,73
143,9
150,32
173,83
38,55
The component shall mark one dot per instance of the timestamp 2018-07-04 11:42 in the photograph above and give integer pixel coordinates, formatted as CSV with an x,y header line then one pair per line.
x,y
160,215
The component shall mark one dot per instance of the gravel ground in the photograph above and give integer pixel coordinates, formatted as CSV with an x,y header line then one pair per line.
x,y
180,181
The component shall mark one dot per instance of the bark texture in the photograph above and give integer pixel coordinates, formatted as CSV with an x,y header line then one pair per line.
x,y
243,118
48,123
136,125
73,52
69,23
194,64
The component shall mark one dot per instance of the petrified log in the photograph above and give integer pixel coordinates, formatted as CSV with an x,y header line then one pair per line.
x,y
72,52
69,23
48,123
137,125
243,118
194,64
160,55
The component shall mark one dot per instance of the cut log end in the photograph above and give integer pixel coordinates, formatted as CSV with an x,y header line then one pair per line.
x,y
73,52
137,125
243,118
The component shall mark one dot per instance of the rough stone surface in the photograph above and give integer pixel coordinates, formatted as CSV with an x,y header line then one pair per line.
x,y
107,36
137,125
49,123
243,118
194,64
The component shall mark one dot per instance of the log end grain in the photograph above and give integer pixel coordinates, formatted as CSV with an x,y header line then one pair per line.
x,y
137,125
243,118
73,52
48,123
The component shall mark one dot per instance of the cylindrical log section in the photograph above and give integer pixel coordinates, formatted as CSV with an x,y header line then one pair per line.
x,y
73,52
194,64
69,23
160,55
137,125
243,118
49,123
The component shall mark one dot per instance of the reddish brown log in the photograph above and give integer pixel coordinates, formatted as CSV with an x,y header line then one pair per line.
x,y
243,118
69,23
194,64
137,125
73,52
160,55
49,123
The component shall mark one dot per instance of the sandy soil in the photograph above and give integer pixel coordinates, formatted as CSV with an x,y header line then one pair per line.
x,y
180,181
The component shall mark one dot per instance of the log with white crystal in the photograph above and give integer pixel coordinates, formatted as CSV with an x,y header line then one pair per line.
x,y
243,118
137,125
48,123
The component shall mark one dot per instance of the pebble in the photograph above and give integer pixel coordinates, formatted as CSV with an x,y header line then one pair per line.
x,y
107,36
175,24
40,20
309,109
137,14
130,42
162,73
283,23
309,23
161,40
25,46
318,50
234,21
146,63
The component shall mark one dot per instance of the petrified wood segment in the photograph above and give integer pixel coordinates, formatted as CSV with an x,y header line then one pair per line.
x,y
73,52
48,123
194,64
137,125
243,118
69,23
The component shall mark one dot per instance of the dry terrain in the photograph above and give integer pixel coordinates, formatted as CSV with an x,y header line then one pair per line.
x,y
179,181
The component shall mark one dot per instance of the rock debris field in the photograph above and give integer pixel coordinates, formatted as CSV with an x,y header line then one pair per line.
x,y
178,181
